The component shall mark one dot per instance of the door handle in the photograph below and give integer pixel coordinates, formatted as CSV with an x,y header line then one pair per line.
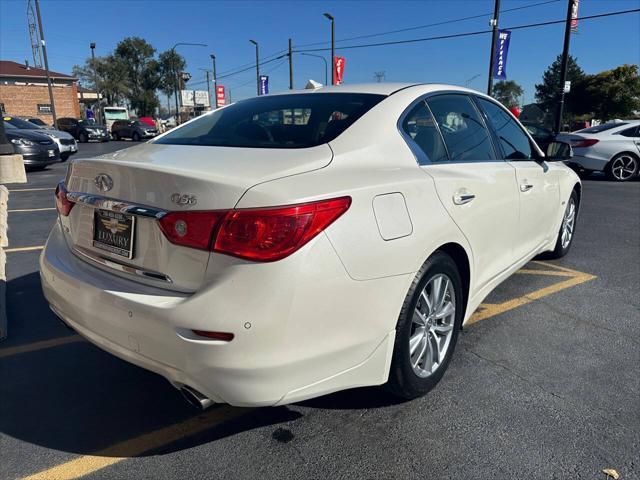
x,y
462,198
525,187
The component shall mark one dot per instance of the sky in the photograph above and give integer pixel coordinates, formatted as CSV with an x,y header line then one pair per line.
x,y
227,26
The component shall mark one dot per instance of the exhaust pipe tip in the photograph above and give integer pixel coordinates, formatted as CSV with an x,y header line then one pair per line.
x,y
195,398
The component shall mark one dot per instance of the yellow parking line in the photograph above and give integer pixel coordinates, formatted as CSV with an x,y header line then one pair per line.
x,y
23,249
487,310
30,347
31,210
30,189
87,464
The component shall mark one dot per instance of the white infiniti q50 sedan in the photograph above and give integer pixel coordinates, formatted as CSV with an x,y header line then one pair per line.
x,y
288,246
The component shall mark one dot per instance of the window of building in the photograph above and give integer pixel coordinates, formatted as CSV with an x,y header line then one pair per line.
x,y
44,108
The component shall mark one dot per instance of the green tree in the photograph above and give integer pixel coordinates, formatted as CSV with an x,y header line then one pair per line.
x,y
112,78
548,92
613,93
143,73
171,64
507,92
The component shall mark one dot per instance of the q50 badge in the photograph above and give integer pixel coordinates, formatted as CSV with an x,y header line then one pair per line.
x,y
184,199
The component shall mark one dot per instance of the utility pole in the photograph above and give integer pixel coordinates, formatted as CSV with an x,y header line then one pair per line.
x,y
333,47
177,74
208,84
290,66
565,62
257,65
46,63
494,40
215,80
92,46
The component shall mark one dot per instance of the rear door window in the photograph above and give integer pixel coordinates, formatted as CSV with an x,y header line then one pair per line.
x,y
462,128
421,128
514,142
278,121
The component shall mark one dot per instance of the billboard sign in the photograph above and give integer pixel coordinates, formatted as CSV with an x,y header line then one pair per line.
x,y
200,97
500,55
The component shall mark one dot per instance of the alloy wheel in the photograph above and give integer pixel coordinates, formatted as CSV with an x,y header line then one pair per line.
x,y
568,224
432,326
623,167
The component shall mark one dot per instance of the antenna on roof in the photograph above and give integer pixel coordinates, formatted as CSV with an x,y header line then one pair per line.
x,y
35,36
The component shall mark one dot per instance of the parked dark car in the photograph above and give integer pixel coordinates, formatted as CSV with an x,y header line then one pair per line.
x,y
84,130
38,122
37,149
540,134
133,129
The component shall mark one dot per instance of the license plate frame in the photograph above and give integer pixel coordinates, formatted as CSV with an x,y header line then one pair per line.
x,y
110,232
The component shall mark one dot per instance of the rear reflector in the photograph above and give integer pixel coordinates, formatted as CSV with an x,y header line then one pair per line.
x,y
224,336
259,234
63,205
584,142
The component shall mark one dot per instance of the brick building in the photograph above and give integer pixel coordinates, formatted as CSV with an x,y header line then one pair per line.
x,y
24,92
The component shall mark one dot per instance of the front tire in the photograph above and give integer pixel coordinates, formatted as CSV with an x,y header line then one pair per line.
x,y
135,137
82,138
64,156
427,329
623,167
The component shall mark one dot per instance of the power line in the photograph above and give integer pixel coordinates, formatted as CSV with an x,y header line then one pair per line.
x,y
253,65
428,25
467,34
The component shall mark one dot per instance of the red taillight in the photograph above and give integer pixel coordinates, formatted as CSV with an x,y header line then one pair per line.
x,y
269,234
190,229
224,336
583,142
63,205
260,234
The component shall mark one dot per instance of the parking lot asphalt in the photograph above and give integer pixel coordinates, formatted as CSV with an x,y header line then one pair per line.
x,y
544,384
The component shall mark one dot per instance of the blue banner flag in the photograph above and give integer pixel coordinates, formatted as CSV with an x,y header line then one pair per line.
x,y
500,55
264,84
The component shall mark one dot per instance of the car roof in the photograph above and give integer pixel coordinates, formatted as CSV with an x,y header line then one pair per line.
x,y
381,88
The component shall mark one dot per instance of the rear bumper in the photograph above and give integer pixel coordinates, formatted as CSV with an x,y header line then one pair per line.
x,y
588,159
299,332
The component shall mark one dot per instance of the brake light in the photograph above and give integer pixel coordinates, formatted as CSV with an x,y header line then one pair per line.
x,y
584,142
269,234
258,234
63,204
190,229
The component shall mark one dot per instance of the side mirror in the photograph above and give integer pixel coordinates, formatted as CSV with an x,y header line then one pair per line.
x,y
558,152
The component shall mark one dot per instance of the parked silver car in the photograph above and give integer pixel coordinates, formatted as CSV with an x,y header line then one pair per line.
x,y
65,142
612,147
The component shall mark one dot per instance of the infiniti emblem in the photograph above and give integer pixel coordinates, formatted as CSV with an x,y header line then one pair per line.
x,y
104,182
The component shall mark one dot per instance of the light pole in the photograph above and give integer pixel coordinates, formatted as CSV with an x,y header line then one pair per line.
x,y
257,65
494,39
176,73
326,68
333,47
215,80
92,46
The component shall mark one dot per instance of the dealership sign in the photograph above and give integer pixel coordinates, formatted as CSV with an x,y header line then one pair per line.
x,y
220,97
500,55
338,65
264,84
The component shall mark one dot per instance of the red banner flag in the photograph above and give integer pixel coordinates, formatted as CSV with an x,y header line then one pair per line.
x,y
338,65
220,98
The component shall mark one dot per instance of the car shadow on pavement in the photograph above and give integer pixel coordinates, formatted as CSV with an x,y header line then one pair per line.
x,y
76,398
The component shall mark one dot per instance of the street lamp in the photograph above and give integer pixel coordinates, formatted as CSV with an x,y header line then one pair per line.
x,y
215,79
175,91
92,46
469,80
333,47
326,68
257,65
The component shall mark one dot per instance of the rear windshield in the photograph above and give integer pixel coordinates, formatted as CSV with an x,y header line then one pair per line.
x,y
601,128
279,121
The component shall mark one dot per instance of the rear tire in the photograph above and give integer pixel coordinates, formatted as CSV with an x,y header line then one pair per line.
x,y
427,322
623,167
567,228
